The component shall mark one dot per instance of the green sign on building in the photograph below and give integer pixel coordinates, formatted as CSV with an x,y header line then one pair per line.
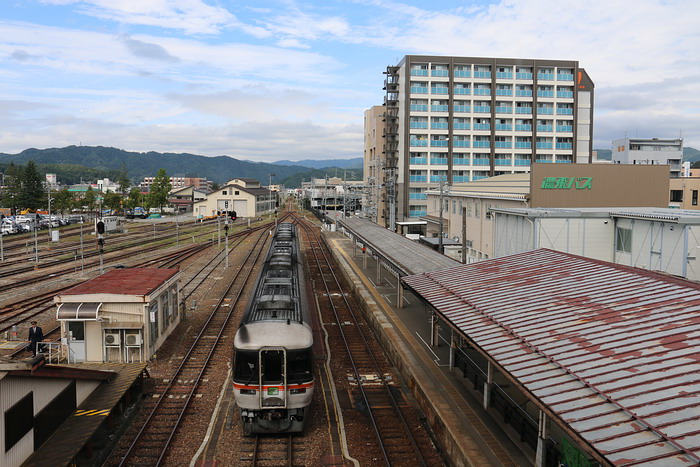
x,y
565,183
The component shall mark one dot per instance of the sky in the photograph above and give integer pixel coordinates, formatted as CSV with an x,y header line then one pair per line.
x,y
272,80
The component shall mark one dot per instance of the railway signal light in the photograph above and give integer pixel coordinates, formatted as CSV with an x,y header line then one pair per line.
x,y
100,226
233,215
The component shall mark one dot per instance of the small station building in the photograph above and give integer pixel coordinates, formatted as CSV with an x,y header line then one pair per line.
x,y
245,196
122,316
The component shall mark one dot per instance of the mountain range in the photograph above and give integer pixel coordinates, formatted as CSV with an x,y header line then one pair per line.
x,y
88,163
73,163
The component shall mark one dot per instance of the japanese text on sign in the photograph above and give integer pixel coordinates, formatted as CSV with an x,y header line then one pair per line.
x,y
565,183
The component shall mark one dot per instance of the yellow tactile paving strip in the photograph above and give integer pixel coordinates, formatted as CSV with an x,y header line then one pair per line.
x,y
71,436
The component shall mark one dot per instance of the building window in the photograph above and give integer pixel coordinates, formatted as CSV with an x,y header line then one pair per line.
x,y
153,321
623,240
224,192
677,196
695,197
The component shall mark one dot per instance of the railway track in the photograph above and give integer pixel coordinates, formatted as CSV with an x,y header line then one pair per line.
x,y
167,410
273,451
21,311
374,390
70,255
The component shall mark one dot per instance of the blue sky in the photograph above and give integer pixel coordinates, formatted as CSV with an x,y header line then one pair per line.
x,y
275,80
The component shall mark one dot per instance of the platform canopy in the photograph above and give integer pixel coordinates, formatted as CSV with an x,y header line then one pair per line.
x,y
402,255
612,353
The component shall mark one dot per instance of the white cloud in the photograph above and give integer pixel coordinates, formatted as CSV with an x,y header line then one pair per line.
x,y
190,16
292,79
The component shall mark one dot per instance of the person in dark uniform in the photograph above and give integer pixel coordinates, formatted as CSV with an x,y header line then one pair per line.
x,y
36,335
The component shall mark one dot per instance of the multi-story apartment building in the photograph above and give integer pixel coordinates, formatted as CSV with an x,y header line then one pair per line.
x,y
374,163
179,181
460,119
650,151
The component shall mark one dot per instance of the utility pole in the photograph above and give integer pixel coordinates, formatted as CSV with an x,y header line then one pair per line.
x,y
443,183
36,246
269,188
48,190
226,235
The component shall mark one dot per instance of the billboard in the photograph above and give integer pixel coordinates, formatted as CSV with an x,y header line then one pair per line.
x,y
594,185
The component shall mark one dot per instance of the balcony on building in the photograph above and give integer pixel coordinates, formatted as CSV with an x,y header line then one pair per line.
x,y
419,70
462,71
439,71
522,72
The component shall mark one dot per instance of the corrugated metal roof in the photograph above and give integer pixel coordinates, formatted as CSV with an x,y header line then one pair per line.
x,y
409,256
508,186
127,281
681,216
613,351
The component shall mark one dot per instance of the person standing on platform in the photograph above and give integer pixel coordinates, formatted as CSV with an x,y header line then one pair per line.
x,y
36,335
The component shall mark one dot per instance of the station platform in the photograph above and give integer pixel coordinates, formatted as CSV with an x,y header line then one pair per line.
x,y
106,403
470,434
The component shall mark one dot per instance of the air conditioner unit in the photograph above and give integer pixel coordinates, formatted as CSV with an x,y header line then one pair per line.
x,y
133,339
112,339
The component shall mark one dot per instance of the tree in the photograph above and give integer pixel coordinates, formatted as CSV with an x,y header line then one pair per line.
x,y
123,181
13,187
113,201
214,186
160,189
134,199
32,194
90,199
62,200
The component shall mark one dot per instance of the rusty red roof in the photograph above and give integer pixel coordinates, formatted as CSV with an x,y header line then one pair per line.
x,y
612,351
127,281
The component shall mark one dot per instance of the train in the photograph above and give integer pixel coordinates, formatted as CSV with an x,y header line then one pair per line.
x,y
273,377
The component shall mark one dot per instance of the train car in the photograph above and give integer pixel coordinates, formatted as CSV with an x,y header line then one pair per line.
x,y
273,379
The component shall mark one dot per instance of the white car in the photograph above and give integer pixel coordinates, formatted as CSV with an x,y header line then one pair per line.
x,y
8,228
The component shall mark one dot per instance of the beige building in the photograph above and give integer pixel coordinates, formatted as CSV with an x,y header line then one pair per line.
x,y
684,193
184,198
467,207
375,202
245,196
124,315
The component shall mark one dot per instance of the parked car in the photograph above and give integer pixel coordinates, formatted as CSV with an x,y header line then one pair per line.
x,y
8,227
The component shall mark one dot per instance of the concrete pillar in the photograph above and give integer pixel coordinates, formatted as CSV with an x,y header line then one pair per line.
x,y
542,434
379,271
453,348
488,385
354,248
399,293
434,330
364,257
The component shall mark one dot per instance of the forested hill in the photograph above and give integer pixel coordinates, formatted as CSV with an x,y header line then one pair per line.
x,y
138,165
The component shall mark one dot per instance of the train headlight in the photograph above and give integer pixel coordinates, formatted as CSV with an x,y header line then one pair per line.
x,y
247,391
297,391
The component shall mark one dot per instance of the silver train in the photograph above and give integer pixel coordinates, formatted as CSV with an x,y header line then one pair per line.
x,y
273,379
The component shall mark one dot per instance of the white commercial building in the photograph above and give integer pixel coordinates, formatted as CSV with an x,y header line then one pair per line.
x,y
650,151
658,239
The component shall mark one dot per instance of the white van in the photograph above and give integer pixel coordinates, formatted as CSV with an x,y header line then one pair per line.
x,y
8,227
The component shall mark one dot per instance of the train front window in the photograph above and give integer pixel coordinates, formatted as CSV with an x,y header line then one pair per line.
x,y
272,365
300,364
246,367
